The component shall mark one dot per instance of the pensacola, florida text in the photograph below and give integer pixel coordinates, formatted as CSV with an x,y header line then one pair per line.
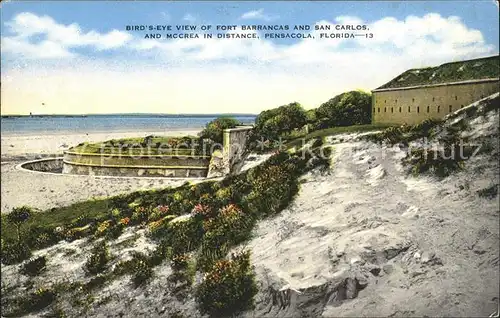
x,y
256,35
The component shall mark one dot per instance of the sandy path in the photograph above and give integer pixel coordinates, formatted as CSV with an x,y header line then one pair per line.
x,y
368,215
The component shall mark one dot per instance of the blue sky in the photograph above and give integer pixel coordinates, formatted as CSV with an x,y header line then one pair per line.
x,y
50,48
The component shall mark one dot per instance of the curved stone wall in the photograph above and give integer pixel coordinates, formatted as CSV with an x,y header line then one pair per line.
x,y
178,166
54,165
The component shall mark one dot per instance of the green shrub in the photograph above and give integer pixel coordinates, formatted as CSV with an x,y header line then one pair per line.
x,y
231,225
228,288
34,266
184,235
39,299
19,216
141,269
159,229
162,252
115,230
440,163
159,212
140,215
32,302
41,236
347,109
95,282
278,122
214,129
78,233
273,189
81,221
99,259
14,252
489,192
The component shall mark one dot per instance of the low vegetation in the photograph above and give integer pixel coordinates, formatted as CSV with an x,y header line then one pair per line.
x,y
194,227
213,130
347,109
440,148
34,266
234,283
98,260
291,125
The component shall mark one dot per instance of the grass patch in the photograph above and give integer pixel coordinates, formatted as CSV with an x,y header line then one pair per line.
x,y
489,192
297,141
34,266
150,145
55,217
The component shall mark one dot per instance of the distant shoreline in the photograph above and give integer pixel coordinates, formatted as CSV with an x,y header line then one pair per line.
x,y
94,132
128,115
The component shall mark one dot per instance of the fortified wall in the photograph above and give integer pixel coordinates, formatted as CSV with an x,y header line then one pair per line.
x,y
412,105
433,92
231,158
163,165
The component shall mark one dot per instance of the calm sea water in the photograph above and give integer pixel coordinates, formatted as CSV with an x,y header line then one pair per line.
x,y
107,123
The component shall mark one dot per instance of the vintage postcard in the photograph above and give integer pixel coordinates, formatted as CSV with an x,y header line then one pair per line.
x,y
250,159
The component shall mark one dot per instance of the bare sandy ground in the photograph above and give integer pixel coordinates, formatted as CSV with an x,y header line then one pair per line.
x,y
45,191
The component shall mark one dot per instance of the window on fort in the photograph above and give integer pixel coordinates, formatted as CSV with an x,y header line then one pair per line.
x,y
409,109
399,109
439,109
450,108
396,101
379,109
418,109
385,101
428,108
392,109
385,109
413,99
434,98
456,97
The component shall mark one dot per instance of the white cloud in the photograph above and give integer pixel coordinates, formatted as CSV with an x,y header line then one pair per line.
x,y
257,15
165,15
430,39
189,18
59,38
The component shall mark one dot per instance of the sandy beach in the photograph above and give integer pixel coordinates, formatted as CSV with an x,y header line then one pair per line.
x,y
44,191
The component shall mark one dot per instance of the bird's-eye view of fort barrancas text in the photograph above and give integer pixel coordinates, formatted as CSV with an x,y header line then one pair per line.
x,y
250,159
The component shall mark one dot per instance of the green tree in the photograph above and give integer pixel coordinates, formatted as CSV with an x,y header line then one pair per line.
x,y
18,216
346,109
213,130
280,121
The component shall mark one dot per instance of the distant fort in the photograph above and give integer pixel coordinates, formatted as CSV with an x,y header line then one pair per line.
x,y
434,92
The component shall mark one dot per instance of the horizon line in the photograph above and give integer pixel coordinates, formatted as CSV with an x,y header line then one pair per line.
x,y
131,114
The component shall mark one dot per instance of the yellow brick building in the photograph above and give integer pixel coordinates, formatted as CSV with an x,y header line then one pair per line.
x,y
434,92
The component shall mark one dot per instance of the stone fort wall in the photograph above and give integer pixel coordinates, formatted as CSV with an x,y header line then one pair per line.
x,y
412,105
177,166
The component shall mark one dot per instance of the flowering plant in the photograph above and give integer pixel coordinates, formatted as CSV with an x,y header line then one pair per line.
x,y
201,210
125,221
104,226
162,209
